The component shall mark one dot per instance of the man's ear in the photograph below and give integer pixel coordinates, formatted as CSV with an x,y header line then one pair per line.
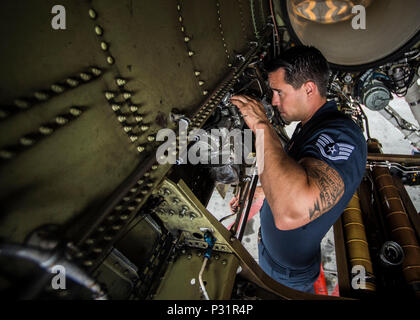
x,y
310,87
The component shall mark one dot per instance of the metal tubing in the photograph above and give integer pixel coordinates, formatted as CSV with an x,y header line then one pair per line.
x,y
356,241
398,222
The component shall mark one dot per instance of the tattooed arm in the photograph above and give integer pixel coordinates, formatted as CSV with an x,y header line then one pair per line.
x,y
297,192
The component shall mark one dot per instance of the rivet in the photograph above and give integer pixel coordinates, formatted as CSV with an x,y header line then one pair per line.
x,y
118,208
45,130
98,30
205,92
92,14
134,108
26,141
224,261
96,71
147,174
115,107
41,96
187,39
88,263
116,227
57,88
178,7
121,118
200,83
104,46
107,238
124,217
190,53
154,167
90,241
197,73
144,192
126,199
144,128
61,120
75,112
21,104
110,60
5,154
182,29
180,19
109,95
120,82
151,138
97,250
171,212
140,149
138,199
72,82
126,95
85,77
127,129
134,138
149,185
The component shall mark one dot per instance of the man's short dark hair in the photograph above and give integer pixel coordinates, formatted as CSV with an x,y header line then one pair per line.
x,y
302,64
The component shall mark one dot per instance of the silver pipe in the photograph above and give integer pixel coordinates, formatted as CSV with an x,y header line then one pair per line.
x,y
47,259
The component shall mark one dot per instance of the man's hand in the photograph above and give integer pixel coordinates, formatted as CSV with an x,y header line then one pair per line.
x,y
252,111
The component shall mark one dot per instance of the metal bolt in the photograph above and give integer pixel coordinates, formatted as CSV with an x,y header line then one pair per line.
x,y
72,82
127,129
121,118
205,92
110,60
85,76
26,141
197,73
109,95
75,112
41,96
92,14
120,82
151,138
138,119
21,104
104,46
98,30
115,107
134,138
187,39
190,53
133,108
127,95
45,130
57,88
224,261
144,128
61,120
97,72
140,149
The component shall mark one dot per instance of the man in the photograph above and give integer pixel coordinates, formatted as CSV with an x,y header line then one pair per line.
x,y
308,182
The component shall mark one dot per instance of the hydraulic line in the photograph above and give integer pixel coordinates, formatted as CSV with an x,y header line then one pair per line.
x,y
356,242
397,220
208,237
47,259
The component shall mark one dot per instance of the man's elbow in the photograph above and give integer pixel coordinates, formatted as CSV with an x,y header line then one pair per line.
x,y
284,220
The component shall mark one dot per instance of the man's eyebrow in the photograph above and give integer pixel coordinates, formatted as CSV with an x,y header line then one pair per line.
x,y
275,89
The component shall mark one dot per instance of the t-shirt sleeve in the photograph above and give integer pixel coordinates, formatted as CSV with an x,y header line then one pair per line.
x,y
342,148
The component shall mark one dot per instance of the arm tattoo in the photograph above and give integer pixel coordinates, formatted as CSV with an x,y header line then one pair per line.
x,y
329,184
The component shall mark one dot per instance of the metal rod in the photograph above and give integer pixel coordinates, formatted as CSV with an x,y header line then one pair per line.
x,y
248,207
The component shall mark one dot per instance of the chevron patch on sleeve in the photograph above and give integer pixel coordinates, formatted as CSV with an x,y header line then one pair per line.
x,y
333,150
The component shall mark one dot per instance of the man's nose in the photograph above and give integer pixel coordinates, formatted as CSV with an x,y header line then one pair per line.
x,y
275,101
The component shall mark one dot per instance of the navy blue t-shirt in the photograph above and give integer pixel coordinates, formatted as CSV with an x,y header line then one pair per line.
x,y
342,146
